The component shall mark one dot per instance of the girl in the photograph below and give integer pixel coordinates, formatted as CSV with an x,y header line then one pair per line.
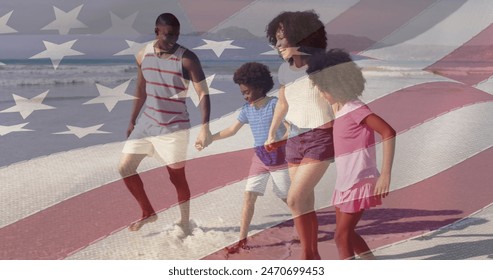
x,y
359,185
309,150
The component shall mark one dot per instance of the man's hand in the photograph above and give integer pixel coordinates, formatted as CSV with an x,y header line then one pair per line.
x,y
203,139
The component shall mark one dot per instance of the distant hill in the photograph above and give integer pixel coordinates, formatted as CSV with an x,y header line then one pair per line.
x,y
233,33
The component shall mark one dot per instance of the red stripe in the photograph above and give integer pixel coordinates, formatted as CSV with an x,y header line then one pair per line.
x,y
222,10
161,71
165,124
76,222
163,111
417,209
475,57
166,85
167,99
417,104
370,21
58,231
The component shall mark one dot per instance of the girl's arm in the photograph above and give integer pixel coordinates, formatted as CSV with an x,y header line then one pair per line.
x,y
279,114
228,132
388,141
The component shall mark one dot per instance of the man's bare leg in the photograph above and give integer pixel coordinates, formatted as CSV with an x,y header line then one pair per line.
x,y
128,170
179,180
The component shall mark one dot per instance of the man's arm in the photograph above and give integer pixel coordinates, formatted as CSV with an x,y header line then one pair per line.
x,y
191,64
140,93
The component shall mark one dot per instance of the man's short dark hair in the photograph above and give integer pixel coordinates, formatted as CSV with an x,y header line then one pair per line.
x,y
167,19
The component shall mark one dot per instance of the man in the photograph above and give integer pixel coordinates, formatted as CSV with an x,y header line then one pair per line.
x,y
165,70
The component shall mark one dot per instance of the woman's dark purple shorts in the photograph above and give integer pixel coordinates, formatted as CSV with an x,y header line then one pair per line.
x,y
313,143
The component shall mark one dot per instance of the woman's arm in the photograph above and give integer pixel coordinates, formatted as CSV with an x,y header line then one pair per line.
x,y
388,142
279,113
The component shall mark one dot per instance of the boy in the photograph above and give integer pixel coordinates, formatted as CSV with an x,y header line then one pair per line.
x,y
255,80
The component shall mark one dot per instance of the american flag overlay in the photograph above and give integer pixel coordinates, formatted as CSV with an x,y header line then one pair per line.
x,y
67,83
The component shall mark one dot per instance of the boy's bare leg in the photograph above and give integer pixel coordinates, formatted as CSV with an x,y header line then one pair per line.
x,y
247,212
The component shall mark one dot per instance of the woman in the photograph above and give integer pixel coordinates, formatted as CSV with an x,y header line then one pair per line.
x,y
309,150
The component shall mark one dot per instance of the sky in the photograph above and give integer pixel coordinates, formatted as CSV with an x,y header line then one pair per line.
x,y
24,24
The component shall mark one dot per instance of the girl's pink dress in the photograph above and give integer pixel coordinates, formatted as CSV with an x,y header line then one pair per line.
x,y
357,173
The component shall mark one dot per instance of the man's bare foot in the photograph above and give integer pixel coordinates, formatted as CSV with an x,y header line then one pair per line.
x,y
185,227
242,244
140,223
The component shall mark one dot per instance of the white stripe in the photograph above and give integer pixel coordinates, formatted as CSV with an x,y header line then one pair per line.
x,y
439,40
421,152
34,185
383,78
486,85
264,11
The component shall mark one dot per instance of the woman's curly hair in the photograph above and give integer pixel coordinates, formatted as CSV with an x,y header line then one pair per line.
x,y
301,28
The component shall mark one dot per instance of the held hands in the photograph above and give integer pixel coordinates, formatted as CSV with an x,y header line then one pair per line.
x,y
271,144
382,186
203,139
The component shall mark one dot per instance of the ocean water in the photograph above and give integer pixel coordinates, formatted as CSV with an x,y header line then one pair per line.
x,y
75,81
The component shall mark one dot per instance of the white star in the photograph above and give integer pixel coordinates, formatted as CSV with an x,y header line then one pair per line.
x,y
111,96
81,132
192,93
56,52
4,28
64,21
26,106
121,26
271,52
6,129
217,46
133,48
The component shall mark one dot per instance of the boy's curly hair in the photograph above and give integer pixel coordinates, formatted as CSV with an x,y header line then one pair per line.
x,y
255,75
335,72
302,28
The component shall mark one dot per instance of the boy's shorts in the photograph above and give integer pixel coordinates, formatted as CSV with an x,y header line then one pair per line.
x,y
169,148
259,176
310,143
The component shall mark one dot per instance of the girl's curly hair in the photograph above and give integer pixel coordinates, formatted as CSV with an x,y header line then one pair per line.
x,y
336,73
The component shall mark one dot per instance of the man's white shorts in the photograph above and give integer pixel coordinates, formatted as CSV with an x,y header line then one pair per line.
x,y
168,148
